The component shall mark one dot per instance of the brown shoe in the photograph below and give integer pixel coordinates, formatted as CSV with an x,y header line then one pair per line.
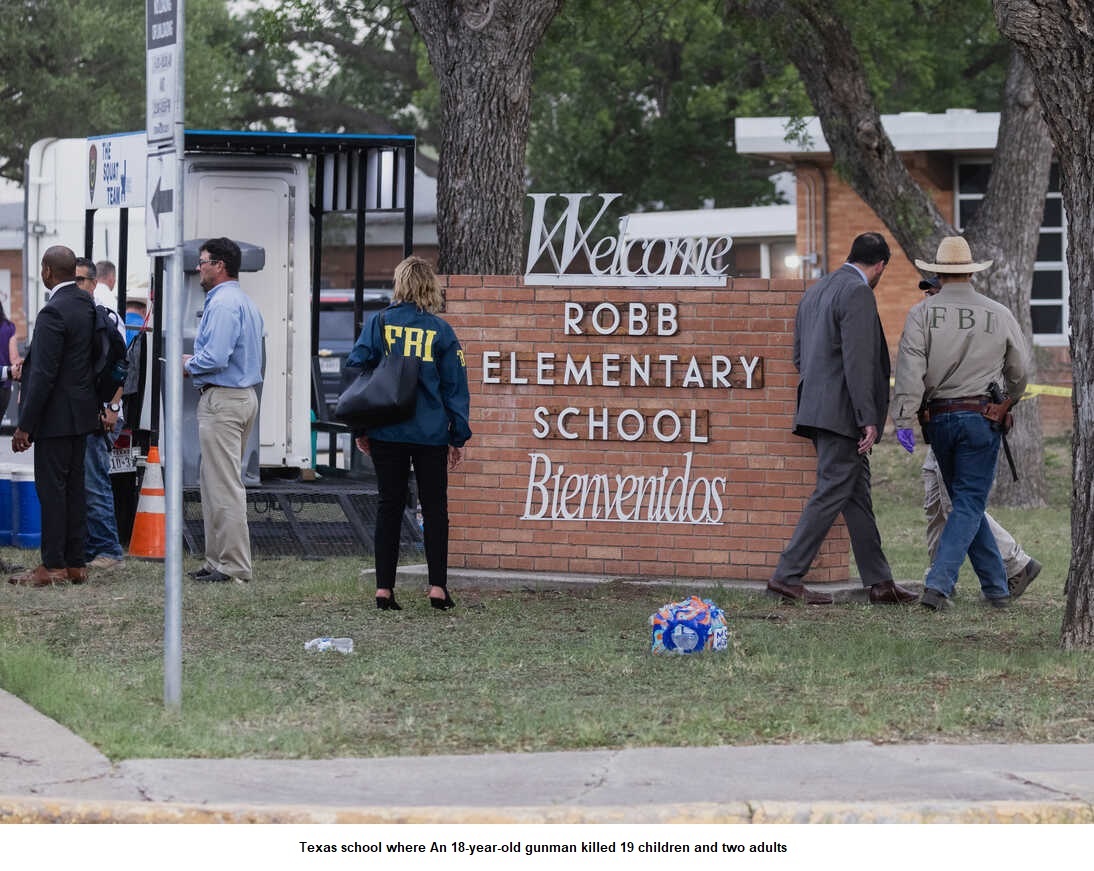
x,y
891,593
797,593
77,575
40,577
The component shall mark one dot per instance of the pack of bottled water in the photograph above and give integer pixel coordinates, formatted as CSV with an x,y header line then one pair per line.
x,y
689,626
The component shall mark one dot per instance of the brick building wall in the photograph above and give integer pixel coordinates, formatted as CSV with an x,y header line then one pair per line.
x,y
748,476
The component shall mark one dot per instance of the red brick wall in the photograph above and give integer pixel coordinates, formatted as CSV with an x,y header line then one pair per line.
x,y
768,472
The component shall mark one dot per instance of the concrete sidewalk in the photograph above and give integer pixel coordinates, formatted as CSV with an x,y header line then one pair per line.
x,y
47,774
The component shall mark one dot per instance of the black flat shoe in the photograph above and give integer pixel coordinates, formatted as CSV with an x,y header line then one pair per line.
x,y
388,603
442,604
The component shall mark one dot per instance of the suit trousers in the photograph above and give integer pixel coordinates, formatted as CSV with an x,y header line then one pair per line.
x,y
59,482
843,487
226,416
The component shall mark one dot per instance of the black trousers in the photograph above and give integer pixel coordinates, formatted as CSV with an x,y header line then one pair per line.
x,y
59,480
393,461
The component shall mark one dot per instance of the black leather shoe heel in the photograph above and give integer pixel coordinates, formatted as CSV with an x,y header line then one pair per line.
x,y
388,603
442,604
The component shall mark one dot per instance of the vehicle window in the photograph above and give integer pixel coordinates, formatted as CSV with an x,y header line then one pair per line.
x,y
335,325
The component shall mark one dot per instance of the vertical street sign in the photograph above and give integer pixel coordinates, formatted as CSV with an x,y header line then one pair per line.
x,y
162,43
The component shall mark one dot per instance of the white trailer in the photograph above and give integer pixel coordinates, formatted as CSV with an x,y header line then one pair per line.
x,y
255,188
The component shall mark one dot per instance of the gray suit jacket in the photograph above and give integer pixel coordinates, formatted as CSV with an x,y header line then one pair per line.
x,y
841,357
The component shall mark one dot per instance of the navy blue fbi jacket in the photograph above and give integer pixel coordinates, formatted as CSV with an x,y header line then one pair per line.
x,y
441,416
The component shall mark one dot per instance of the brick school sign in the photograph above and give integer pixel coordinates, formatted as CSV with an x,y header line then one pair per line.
x,y
630,431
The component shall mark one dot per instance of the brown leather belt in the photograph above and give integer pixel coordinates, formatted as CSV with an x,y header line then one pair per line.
x,y
958,403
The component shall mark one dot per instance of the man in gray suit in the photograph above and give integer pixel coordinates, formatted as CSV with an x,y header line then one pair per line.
x,y
843,397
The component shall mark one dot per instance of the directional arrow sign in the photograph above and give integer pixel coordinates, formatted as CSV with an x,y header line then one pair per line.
x,y
161,201
159,214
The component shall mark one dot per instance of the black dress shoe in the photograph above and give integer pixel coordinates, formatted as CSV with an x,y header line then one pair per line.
x,y
213,577
797,593
891,593
200,573
388,603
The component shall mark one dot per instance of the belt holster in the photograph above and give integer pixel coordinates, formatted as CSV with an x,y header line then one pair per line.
x,y
924,417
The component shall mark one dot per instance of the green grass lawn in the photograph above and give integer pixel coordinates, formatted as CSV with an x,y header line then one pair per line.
x,y
513,670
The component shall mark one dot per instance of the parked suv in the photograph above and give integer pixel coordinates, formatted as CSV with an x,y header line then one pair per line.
x,y
337,335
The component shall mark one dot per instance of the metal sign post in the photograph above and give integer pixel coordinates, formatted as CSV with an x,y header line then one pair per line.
x,y
164,230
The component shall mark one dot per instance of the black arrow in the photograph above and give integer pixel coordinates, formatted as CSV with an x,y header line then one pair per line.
x,y
162,201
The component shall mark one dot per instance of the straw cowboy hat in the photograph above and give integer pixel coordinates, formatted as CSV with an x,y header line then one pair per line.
x,y
954,257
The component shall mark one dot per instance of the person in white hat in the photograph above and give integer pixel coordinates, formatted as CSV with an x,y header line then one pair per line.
x,y
1022,569
956,345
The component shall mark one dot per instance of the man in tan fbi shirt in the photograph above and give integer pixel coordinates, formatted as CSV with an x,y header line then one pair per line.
x,y
956,347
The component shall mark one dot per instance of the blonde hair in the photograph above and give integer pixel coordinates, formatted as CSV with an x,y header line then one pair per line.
x,y
416,282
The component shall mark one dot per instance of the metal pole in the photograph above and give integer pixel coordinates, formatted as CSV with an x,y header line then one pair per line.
x,y
172,418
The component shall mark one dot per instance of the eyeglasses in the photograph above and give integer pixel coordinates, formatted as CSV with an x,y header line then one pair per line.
x,y
207,262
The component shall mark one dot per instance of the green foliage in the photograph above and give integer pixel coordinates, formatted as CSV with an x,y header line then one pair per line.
x,y
73,68
638,97
330,66
929,55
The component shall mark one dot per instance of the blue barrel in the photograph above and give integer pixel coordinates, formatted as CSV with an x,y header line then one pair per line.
x,y
28,511
7,507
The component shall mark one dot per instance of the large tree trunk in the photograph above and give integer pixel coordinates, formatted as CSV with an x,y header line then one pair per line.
x,y
819,45
1057,39
481,52
1005,229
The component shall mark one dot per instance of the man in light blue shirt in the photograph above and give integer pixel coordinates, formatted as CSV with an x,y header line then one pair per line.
x,y
225,367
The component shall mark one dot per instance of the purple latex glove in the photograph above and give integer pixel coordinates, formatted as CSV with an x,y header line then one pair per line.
x,y
906,438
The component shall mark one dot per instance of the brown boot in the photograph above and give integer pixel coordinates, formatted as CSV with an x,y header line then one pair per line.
x,y
78,574
40,577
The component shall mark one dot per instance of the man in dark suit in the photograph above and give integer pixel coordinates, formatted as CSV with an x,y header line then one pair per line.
x,y
843,397
57,409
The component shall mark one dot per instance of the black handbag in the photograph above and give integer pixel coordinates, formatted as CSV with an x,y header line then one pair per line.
x,y
383,395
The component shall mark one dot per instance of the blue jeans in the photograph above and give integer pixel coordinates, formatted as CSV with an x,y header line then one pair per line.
x,y
102,525
966,448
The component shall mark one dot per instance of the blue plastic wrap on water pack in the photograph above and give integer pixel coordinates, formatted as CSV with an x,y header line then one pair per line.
x,y
689,626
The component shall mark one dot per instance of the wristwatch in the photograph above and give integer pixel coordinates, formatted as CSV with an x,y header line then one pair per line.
x,y
114,407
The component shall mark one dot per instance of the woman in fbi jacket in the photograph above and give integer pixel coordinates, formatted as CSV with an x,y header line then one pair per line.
x,y
432,440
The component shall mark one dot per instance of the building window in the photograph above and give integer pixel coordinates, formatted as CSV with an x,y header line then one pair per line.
x,y
1048,302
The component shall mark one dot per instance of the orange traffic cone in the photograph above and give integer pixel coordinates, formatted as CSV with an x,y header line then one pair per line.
x,y
150,525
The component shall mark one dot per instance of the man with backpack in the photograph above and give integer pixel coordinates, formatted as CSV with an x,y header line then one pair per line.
x,y
58,407
104,550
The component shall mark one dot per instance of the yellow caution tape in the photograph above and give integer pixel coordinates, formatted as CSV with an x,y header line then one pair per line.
x,y
1046,390
1035,390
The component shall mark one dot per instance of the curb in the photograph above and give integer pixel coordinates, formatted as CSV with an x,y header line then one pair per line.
x,y
65,811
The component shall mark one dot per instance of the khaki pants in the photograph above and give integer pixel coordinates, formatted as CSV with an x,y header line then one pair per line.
x,y
226,416
937,507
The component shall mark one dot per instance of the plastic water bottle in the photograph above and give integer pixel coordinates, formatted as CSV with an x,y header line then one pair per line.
x,y
342,645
